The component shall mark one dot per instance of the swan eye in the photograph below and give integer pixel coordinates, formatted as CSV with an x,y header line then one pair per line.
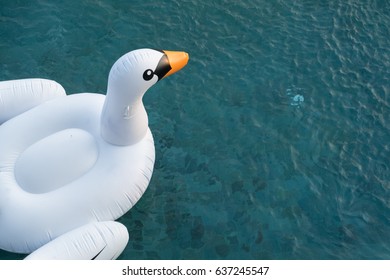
x,y
148,75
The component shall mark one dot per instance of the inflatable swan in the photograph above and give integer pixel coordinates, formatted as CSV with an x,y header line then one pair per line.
x,y
71,165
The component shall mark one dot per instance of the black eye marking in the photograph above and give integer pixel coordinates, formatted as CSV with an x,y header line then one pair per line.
x,y
163,67
148,75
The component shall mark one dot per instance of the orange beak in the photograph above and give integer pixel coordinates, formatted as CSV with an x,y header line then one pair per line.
x,y
177,60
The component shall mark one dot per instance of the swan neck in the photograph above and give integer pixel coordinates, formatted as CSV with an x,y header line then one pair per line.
x,y
123,122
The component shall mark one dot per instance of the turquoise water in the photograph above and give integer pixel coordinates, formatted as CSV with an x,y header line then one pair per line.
x,y
274,141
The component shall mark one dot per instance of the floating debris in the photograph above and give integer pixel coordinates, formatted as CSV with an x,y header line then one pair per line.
x,y
297,100
295,95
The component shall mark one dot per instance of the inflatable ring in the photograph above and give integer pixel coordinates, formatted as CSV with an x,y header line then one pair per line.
x,y
78,159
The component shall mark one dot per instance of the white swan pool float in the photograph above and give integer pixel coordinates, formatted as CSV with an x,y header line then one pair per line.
x,y
72,164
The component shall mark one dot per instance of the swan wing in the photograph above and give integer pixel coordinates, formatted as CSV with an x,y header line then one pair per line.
x,y
94,241
18,96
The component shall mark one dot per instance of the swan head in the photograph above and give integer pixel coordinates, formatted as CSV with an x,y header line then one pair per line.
x,y
135,72
124,120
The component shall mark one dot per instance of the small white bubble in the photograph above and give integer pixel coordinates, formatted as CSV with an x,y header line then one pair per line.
x,y
298,98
